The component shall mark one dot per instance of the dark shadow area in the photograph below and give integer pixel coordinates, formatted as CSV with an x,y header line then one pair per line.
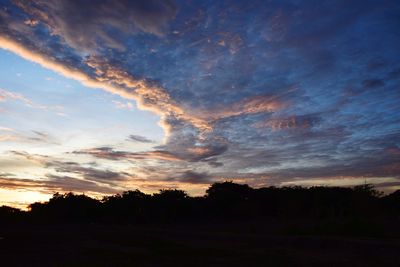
x,y
232,225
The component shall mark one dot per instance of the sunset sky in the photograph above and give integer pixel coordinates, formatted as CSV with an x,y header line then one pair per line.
x,y
99,97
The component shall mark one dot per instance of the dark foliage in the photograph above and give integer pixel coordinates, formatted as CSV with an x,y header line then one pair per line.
x,y
224,201
10,215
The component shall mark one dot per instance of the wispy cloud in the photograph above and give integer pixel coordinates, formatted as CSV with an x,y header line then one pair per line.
x,y
109,153
140,139
88,173
55,183
27,137
124,105
7,95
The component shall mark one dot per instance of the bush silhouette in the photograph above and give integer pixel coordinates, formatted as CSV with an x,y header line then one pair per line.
x,y
67,207
222,201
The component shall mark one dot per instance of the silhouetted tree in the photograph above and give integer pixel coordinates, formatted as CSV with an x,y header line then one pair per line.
x,y
67,207
223,201
391,204
131,206
170,204
10,215
229,199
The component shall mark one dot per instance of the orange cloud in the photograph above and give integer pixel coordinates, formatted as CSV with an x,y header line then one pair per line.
x,y
4,138
116,81
252,105
285,123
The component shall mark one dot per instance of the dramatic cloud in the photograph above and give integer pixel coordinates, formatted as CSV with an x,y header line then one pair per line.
x,y
117,81
266,92
91,25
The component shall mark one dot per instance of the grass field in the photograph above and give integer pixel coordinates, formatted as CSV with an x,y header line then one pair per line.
x,y
243,244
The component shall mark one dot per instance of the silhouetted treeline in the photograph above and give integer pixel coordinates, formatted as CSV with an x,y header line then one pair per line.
x,y
223,201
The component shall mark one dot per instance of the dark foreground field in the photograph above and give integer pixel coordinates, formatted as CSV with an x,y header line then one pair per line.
x,y
232,225
242,244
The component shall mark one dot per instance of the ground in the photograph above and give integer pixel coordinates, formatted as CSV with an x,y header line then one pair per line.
x,y
200,245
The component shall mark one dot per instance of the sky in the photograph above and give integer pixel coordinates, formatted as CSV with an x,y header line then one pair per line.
x,y
102,96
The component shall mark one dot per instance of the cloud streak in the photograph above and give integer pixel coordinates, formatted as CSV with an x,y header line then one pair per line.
x,y
140,139
55,184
